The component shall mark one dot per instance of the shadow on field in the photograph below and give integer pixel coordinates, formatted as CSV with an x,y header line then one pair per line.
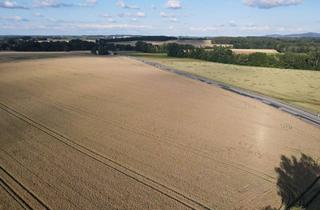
x,y
298,183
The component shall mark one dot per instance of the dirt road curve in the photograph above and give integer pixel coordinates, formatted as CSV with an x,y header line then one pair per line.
x,y
114,133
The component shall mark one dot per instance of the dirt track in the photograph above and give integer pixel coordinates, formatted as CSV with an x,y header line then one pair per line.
x,y
107,133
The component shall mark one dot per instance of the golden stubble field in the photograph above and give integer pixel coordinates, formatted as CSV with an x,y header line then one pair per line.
x,y
299,88
252,51
114,133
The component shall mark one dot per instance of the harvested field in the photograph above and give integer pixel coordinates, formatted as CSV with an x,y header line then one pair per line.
x,y
299,88
252,51
114,133
10,56
193,42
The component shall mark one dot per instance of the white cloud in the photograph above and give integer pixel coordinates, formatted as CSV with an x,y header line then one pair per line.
x,y
132,15
166,15
122,4
169,17
111,20
68,26
140,14
91,1
254,27
38,14
44,3
173,20
106,15
60,26
121,15
204,29
97,26
13,18
267,4
174,4
10,4
88,3
50,3
59,3
232,23
224,27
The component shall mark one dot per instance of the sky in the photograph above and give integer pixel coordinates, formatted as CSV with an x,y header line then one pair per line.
x,y
159,17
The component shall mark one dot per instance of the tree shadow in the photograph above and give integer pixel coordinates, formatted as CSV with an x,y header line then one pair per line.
x,y
269,208
299,182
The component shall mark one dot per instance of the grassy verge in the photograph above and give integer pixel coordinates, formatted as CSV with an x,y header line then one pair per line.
x,y
300,88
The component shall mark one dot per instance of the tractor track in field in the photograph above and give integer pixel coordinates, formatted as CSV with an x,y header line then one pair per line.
x,y
225,163
4,183
13,194
115,133
147,181
38,177
187,148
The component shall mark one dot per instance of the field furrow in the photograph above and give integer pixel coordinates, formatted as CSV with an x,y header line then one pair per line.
x,y
115,133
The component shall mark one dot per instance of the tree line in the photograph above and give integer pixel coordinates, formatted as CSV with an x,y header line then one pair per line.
x,y
310,60
296,53
289,60
36,45
293,45
104,47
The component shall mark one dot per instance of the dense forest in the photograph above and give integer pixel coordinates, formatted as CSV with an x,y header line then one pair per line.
x,y
294,45
36,45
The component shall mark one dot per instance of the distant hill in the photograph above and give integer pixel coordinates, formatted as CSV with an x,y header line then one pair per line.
x,y
303,35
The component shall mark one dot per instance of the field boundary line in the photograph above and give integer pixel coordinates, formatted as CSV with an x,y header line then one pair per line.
x,y
15,195
147,181
299,113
